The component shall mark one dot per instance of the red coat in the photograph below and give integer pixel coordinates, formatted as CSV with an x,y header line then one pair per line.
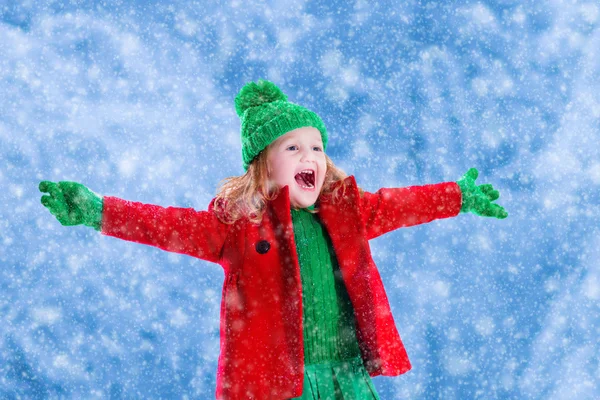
x,y
261,308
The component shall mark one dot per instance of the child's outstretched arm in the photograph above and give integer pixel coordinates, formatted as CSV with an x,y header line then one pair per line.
x,y
393,208
181,230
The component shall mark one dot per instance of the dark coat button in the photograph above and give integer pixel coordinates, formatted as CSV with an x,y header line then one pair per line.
x,y
262,247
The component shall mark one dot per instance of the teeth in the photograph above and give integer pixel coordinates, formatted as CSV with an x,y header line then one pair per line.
x,y
307,171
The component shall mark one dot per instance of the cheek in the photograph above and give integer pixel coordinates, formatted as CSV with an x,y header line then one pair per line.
x,y
279,170
323,167
281,178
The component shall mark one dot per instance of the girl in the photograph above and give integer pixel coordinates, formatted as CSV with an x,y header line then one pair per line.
x,y
304,313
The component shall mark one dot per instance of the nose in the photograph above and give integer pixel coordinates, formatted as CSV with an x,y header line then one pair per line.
x,y
307,154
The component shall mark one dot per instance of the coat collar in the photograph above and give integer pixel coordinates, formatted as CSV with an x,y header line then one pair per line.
x,y
281,206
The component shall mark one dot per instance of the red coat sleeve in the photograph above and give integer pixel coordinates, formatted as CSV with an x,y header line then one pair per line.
x,y
389,209
180,230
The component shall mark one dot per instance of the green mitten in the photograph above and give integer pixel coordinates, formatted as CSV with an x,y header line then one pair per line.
x,y
72,203
478,199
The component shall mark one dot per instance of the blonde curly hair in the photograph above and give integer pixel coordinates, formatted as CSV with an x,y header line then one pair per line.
x,y
246,196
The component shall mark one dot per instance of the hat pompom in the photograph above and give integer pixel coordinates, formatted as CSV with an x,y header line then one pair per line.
x,y
255,94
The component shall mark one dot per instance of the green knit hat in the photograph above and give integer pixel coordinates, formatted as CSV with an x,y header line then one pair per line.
x,y
266,114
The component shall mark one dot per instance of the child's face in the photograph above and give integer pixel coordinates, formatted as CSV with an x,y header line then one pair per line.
x,y
291,154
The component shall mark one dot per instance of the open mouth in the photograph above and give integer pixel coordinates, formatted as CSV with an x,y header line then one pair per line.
x,y
306,179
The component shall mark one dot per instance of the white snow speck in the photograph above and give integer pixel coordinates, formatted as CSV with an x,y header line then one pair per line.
x,y
441,288
485,326
179,318
46,315
591,287
457,364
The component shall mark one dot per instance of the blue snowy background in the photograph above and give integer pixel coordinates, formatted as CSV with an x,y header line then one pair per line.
x,y
135,99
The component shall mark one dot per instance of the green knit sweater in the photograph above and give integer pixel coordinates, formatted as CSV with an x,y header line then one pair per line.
x,y
328,316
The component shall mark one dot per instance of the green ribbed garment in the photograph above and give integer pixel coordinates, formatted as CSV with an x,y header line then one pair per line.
x,y
328,315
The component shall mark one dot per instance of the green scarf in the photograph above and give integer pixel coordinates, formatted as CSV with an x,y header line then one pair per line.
x,y
328,315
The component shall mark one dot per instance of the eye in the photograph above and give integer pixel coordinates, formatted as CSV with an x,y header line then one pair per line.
x,y
317,148
289,147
